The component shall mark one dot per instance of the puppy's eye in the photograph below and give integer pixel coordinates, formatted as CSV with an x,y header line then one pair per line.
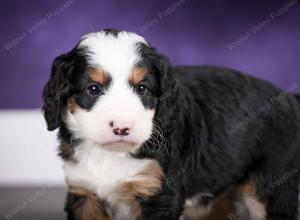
x,y
141,89
94,90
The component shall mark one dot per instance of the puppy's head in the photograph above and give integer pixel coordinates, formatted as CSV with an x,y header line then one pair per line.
x,y
107,90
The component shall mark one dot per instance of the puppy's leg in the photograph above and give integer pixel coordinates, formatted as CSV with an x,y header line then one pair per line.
x,y
84,205
167,204
149,198
239,203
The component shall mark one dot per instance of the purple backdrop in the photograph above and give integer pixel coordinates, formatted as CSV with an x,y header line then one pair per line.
x,y
260,38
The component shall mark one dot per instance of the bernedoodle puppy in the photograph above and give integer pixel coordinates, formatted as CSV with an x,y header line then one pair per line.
x,y
142,139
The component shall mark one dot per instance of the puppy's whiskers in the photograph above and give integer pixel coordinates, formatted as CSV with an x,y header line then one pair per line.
x,y
159,142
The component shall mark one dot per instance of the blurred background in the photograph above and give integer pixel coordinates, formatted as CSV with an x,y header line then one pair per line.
x,y
257,37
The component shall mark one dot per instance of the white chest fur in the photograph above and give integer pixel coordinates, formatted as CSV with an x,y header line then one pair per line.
x,y
102,171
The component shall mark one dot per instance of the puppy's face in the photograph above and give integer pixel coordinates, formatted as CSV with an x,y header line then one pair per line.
x,y
107,91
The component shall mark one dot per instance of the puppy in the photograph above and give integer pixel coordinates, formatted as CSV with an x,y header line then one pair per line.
x,y
140,137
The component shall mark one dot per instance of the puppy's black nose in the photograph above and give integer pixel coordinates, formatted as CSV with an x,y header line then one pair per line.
x,y
121,127
121,131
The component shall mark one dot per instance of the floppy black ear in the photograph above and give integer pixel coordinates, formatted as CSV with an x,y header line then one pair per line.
x,y
167,82
168,110
56,90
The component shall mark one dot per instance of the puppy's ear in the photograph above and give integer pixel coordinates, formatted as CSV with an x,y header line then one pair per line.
x,y
56,90
168,109
166,79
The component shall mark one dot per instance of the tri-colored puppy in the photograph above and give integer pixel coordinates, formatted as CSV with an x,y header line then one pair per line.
x,y
140,137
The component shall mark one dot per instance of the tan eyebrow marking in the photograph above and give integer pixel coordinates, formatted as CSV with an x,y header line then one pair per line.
x,y
138,74
99,76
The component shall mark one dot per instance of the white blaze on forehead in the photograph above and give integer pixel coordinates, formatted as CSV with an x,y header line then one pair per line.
x,y
115,54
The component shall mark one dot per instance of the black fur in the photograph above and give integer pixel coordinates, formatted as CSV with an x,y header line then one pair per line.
x,y
212,149
110,31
